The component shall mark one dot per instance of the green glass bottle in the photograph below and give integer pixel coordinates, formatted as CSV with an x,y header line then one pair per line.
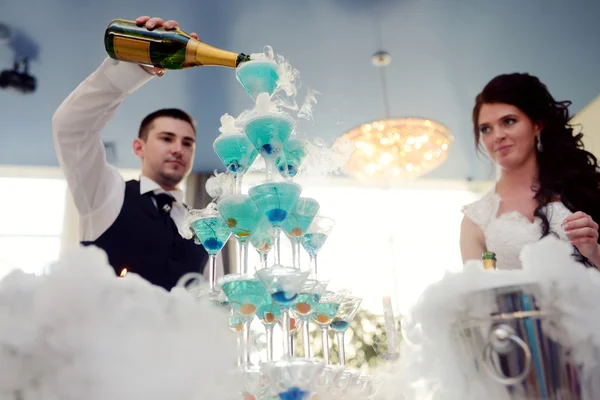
x,y
170,49
489,260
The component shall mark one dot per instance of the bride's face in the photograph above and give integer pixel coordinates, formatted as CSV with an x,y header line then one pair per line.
x,y
508,135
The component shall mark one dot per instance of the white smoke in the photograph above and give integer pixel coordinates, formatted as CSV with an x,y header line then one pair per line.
x,y
229,126
305,111
286,92
81,333
323,161
430,360
220,185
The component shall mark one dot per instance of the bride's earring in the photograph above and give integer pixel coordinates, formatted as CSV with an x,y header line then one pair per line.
x,y
539,146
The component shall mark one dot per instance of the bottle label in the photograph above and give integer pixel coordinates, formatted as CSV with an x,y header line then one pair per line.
x,y
132,50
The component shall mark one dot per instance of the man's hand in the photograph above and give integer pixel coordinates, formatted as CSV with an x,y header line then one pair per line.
x,y
153,23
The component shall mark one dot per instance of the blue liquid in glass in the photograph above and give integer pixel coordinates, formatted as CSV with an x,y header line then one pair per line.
x,y
241,215
258,76
236,323
262,237
306,304
268,133
236,152
294,393
284,298
269,312
275,199
325,313
293,155
245,296
213,232
312,242
339,325
300,217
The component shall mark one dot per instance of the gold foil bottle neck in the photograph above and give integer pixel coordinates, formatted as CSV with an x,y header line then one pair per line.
x,y
489,260
198,53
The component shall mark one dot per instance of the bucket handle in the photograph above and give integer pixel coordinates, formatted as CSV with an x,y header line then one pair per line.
x,y
501,336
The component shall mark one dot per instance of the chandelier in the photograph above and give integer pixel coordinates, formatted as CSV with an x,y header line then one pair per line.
x,y
395,148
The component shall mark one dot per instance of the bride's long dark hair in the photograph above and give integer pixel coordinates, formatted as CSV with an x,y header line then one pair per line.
x,y
566,169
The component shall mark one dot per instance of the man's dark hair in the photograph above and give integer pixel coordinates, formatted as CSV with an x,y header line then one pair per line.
x,y
165,112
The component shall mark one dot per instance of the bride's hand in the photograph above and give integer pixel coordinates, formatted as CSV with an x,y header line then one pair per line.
x,y
582,231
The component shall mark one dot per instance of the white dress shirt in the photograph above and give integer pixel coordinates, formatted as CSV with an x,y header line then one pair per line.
x,y
98,189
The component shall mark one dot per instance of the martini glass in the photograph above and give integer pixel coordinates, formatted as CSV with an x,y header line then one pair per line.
x,y
242,217
305,306
237,154
284,284
297,222
293,328
294,152
262,240
327,382
324,314
245,295
236,325
268,133
212,231
292,378
275,200
342,383
258,76
314,238
341,322
256,385
268,314
362,386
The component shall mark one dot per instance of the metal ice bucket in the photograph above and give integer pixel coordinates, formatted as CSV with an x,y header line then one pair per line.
x,y
519,350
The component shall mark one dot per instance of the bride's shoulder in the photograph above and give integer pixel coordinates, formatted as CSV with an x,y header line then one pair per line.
x,y
482,210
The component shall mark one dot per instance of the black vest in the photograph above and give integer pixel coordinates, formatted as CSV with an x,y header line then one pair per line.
x,y
146,243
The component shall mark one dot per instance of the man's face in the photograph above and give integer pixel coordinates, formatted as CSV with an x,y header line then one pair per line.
x,y
167,154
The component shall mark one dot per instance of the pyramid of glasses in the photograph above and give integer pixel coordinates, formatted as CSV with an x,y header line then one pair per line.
x,y
290,297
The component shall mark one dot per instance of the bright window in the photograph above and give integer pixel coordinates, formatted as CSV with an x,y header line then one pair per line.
x,y
38,219
31,222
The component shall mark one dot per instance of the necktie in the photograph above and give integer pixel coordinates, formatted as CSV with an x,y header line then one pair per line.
x,y
164,203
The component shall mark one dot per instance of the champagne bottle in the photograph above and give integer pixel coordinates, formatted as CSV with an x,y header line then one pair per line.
x,y
489,260
170,49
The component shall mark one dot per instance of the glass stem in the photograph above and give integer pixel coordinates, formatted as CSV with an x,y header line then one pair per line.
x,y
313,266
269,167
269,334
212,271
264,258
306,339
341,347
285,327
246,343
277,245
239,348
243,257
325,339
295,252
292,350
238,184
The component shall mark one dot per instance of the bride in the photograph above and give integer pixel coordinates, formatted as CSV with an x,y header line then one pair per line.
x,y
549,185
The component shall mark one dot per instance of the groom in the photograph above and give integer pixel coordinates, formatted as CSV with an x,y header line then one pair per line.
x,y
135,222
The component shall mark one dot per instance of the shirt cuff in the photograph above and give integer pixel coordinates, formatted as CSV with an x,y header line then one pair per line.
x,y
125,76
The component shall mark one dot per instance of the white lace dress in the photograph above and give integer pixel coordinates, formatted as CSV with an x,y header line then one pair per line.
x,y
506,234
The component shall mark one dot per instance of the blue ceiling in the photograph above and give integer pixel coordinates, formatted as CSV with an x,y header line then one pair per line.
x,y
443,52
